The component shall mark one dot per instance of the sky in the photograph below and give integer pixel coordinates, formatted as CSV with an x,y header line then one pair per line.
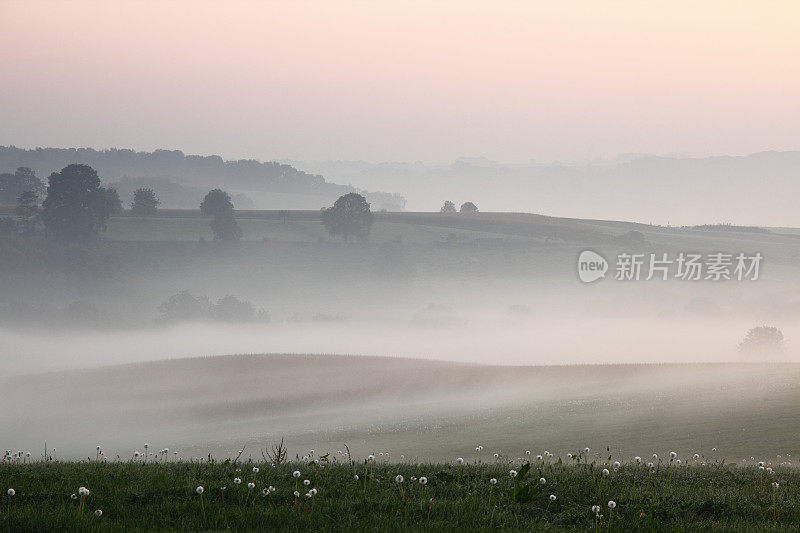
x,y
403,81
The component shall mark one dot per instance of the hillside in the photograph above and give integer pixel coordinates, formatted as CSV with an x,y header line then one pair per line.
x,y
757,189
294,189
427,409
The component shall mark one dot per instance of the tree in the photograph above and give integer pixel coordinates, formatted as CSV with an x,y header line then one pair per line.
x,y
349,216
225,227
75,208
185,306
762,340
23,180
27,211
144,202
469,207
216,202
448,207
113,202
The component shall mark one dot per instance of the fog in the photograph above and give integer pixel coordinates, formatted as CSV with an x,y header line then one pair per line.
x,y
420,346
480,339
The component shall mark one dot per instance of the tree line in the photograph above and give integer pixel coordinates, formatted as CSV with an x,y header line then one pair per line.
x,y
76,207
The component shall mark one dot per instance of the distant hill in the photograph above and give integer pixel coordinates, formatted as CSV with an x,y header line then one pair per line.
x,y
760,189
286,187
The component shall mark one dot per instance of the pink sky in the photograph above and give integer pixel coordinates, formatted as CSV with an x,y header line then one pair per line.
x,y
402,80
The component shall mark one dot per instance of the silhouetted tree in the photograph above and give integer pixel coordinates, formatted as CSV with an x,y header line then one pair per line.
x,y
448,207
349,216
113,202
27,211
144,202
763,340
225,227
23,180
216,202
469,207
75,207
185,306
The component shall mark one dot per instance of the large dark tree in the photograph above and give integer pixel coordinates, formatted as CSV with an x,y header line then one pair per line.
x,y
76,207
448,207
216,202
23,180
225,227
349,216
144,202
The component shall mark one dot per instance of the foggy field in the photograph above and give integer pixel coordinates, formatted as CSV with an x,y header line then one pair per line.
x,y
425,410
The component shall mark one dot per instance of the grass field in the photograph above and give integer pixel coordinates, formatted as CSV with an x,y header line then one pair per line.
x,y
552,494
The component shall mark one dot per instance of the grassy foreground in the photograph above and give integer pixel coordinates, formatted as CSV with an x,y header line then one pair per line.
x,y
149,497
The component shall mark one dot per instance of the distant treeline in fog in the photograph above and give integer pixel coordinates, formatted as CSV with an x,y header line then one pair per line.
x,y
174,168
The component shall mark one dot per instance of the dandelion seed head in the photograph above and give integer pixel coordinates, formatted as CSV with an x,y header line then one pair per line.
x,y
637,459
356,477
255,470
606,472
493,481
460,460
11,492
236,481
696,456
296,473
306,482
542,481
513,473
398,479
552,497
199,489
98,512
538,457
595,508
616,464
74,496
423,480
313,492
611,504
673,455
296,494
251,485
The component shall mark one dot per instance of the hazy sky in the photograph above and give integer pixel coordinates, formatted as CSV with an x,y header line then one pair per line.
x,y
391,80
